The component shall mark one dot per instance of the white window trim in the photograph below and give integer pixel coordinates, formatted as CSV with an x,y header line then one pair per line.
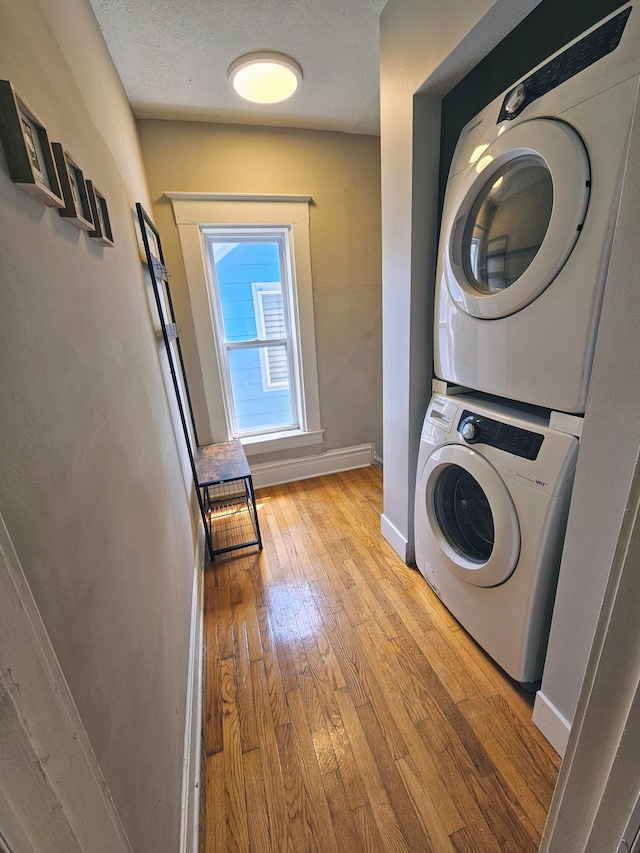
x,y
193,212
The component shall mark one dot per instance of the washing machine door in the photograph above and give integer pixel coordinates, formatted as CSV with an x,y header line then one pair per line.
x,y
471,517
517,214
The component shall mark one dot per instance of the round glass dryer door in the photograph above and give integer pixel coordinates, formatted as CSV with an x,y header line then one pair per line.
x,y
472,519
507,224
516,218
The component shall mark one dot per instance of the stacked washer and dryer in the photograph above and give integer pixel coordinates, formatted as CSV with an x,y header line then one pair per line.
x,y
529,214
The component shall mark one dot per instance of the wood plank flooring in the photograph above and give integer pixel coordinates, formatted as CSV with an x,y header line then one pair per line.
x,y
344,707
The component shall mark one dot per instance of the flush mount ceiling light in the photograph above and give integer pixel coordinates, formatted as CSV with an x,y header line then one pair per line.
x,y
265,77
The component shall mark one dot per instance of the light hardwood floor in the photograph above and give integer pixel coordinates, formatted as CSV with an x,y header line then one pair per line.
x,y
344,707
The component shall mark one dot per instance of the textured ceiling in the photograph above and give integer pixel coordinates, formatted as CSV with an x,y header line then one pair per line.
x,y
173,55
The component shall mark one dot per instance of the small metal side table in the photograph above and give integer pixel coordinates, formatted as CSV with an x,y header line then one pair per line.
x,y
226,486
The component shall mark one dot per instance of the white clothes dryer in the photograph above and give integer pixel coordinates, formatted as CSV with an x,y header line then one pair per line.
x,y
492,496
528,219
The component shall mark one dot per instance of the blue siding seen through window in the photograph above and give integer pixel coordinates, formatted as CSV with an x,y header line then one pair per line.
x,y
255,407
244,264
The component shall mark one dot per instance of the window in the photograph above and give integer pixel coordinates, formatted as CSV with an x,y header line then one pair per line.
x,y
248,267
255,327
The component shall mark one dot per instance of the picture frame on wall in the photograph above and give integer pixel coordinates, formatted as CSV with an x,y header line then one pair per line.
x,y
77,208
27,148
101,233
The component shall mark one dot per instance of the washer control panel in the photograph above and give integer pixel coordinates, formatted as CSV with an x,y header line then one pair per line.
x,y
567,64
480,429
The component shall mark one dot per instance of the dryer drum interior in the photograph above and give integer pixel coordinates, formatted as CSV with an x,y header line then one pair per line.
x,y
507,224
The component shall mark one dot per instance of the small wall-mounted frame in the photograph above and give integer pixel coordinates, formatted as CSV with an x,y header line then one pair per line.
x,y
100,214
27,148
74,189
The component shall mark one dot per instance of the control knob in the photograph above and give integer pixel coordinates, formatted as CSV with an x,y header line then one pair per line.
x,y
469,430
515,100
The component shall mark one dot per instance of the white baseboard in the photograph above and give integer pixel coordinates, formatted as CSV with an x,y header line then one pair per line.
x,y
551,723
332,462
393,536
193,717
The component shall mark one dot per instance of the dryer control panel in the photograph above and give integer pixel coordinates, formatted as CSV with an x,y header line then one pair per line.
x,y
574,59
480,429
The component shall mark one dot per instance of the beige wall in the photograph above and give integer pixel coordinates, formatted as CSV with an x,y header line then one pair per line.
x,y
92,488
342,173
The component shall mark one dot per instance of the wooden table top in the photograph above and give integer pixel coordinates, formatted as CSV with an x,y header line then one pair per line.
x,y
220,463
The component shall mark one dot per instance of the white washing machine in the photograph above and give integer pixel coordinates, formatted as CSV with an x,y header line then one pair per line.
x,y
492,497
529,213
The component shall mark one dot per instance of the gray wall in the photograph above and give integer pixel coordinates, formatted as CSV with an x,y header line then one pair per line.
x,y
342,173
92,486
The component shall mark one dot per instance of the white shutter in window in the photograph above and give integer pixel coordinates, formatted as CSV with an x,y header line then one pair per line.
x,y
274,327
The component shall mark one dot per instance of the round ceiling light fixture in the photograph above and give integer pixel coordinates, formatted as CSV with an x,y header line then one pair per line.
x,y
265,77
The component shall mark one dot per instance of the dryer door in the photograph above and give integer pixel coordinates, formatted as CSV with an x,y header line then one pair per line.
x,y
517,212
472,519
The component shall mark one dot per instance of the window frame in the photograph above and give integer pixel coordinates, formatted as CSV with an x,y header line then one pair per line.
x,y
194,213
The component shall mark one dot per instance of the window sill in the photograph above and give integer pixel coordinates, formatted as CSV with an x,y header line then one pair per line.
x,y
254,445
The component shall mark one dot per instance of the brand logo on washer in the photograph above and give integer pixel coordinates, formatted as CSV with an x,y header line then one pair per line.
x,y
532,480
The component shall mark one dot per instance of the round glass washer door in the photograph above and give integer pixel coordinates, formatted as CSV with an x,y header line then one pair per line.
x,y
463,513
472,519
516,217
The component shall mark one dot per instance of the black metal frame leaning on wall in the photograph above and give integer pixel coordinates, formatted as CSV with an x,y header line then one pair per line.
x,y
159,281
